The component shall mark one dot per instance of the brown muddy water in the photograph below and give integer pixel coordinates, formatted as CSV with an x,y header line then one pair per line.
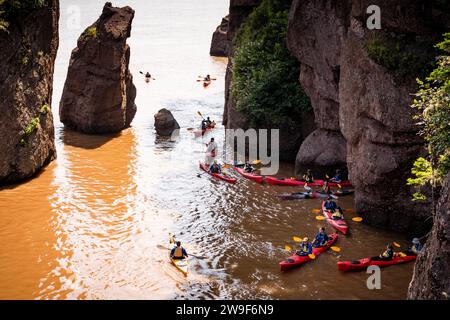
x,y
89,225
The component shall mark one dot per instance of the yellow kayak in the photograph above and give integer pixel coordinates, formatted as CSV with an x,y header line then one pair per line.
x,y
180,264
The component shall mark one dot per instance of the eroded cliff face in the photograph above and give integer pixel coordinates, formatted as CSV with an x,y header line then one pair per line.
x,y
431,279
364,103
27,55
219,43
99,93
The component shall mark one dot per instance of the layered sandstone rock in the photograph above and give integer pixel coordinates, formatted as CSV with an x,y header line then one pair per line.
x,y
431,279
27,55
99,93
362,102
165,123
220,43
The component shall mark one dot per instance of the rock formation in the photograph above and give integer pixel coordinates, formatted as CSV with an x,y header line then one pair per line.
x,y
431,279
99,93
361,102
28,50
165,123
220,42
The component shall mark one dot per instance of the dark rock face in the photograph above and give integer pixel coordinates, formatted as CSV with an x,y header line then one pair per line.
x,y
165,123
220,43
27,55
362,102
431,279
99,93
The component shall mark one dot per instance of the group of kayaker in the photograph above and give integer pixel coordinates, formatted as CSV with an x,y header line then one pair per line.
x,y
389,253
306,246
337,212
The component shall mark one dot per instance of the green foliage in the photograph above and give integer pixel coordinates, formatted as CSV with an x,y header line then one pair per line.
x,y
402,54
45,109
12,8
29,129
90,32
265,75
433,102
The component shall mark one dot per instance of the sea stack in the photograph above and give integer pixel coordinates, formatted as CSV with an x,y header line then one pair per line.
x,y
99,93
28,42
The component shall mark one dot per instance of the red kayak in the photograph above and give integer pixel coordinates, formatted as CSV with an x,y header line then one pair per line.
x,y
364,263
339,225
296,260
219,176
250,176
206,83
293,182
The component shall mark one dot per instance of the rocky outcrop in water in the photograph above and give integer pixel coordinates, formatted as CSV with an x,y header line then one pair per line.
x,y
28,50
360,83
431,279
220,43
165,123
99,93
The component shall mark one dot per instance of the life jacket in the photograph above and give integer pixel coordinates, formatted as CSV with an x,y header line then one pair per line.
x,y
388,253
320,237
215,168
337,214
304,247
178,253
416,248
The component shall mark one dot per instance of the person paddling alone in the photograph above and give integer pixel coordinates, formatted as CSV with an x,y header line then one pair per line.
x,y
178,252
330,205
148,76
207,78
416,247
337,177
305,247
321,238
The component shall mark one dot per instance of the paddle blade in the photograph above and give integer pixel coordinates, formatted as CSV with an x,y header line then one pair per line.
x,y
396,244
336,249
340,187
320,218
315,210
326,176
297,239
311,256
287,248
256,162
200,114
307,188
401,254
357,219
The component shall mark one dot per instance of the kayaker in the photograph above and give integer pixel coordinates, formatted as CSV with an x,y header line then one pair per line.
x,y
337,177
178,252
416,247
204,125
305,247
321,238
212,147
308,177
208,122
248,167
215,167
387,255
207,78
326,189
148,75
338,214
330,205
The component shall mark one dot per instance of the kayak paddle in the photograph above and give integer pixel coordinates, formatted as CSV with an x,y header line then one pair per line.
x,y
355,219
396,244
297,239
200,114
315,210
335,249
287,248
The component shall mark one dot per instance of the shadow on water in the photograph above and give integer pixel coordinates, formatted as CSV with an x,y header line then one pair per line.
x,y
85,141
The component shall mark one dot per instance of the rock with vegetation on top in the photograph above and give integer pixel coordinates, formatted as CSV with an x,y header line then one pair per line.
x,y
359,82
28,42
165,123
220,43
99,93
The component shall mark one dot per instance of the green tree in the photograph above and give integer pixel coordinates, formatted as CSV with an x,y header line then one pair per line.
x,y
433,102
265,75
